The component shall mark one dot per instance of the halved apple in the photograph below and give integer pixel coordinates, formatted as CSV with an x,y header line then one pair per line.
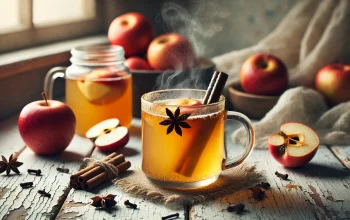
x,y
108,136
295,145
100,88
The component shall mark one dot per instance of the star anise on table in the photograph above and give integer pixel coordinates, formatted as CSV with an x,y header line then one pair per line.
x,y
103,202
8,165
176,121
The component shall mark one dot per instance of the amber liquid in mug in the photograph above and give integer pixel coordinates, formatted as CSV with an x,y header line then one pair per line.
x,y
200,147
90,107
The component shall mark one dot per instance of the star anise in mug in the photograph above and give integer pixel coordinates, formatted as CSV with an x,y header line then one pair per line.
x,y
9,165
103,202
176,121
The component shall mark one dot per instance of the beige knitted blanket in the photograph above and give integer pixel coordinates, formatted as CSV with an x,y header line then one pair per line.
x,y
313,34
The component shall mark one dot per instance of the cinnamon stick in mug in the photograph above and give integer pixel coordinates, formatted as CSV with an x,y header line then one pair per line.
x,y
74,177
186,165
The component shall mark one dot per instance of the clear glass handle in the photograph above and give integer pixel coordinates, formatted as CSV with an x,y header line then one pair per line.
x,y
235,161
51,76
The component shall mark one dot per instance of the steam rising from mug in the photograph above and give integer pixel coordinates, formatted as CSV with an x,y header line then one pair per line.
x,y
202,24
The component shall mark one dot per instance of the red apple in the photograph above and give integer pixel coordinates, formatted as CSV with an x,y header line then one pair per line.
x,y
46,127
170,51
103,86
295,145
264,74
108,136
137,63
132,31
333,81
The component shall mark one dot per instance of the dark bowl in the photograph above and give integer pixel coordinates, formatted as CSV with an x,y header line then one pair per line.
x,y
144,81
253,106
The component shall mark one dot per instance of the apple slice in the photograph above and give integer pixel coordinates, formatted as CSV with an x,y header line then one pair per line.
x,y
115,139
295,145
183,102
101,128
100,88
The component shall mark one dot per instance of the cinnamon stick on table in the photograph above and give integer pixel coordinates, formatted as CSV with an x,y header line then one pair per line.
x,y
186,165
102,177
98,170
75,176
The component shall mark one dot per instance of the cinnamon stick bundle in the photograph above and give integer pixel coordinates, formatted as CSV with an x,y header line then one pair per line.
x,y
186,165
92,176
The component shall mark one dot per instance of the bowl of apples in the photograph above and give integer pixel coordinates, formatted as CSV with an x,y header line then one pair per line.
x,y
149,56
263,78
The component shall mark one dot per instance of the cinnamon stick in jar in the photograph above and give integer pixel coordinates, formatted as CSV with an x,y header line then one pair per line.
x,y
74,177
98,170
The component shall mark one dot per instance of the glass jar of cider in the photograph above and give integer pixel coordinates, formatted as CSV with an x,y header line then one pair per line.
x,y
98,86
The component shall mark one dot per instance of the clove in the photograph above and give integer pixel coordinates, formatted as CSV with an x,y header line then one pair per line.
x,y
176,215
258,193
26,185
62,169
264,185
36,172
282,176
238,208
42,192
129,204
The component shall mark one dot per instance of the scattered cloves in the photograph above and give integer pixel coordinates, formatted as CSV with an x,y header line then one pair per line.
x,y
238,208
176,215
258,193
264,185
42,192
127,203
36,172
26,185
62,169
282,176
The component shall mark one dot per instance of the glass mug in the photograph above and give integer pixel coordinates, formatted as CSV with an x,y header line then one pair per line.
x,y
196,157
98,86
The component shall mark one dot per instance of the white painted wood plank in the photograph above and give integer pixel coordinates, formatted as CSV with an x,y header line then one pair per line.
x,y
343,154
16,202
77,204
319,190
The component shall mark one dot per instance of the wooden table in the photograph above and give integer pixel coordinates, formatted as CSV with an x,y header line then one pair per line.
x,y
319,190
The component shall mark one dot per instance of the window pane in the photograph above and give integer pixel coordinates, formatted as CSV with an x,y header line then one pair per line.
x,y
9,15
62,11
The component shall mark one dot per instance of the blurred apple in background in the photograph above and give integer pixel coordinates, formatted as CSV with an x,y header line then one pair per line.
x,y
170,51
295,145
333,81
264,74
133,31
137,63
46,127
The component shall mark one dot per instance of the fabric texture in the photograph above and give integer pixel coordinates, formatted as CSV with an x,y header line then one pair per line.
x,y
313,34
241,177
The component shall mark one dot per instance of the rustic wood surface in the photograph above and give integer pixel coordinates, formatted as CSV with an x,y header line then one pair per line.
x,y
319,190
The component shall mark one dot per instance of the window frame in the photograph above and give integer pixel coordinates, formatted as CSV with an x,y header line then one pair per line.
x,y
29,35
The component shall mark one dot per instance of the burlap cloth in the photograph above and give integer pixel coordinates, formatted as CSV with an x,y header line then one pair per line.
x,y
241,177
313,34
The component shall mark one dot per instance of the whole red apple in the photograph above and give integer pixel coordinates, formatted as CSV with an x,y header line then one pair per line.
x,y
264,74
333,81
132,31
170,51
137,63
295,145
47,127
